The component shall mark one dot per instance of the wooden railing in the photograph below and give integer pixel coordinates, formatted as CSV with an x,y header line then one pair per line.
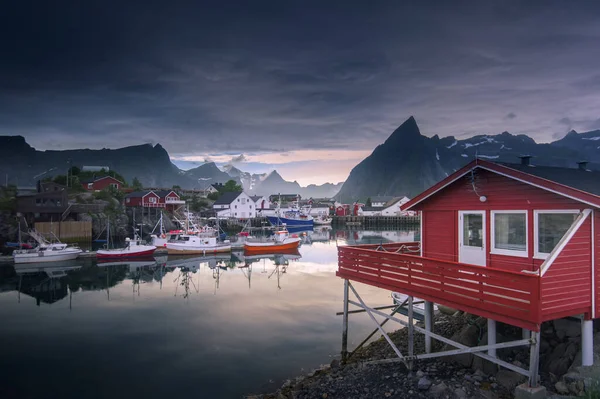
x,y
504,296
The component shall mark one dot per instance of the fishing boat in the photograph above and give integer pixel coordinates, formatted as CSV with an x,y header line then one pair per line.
x,y
45,251
322,220
293,216
280,241
133,248
204,242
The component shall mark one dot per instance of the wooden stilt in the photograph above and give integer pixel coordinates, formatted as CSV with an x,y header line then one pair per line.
x,y
491,333
428,324
587,342
345,324
411,333
534,359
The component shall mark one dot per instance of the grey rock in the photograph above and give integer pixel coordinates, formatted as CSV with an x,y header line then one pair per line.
x,y
509,379
420,374
335,363
561,388
567,328
460,393
424,384
439,390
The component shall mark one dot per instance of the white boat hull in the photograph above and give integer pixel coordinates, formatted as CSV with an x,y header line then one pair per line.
x,y
46,256
129,252
182,249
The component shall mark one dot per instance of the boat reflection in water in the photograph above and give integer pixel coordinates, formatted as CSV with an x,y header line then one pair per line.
x,y
46,282
280,260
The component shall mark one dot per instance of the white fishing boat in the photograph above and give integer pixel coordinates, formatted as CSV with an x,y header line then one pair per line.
x,y
204,242
133,248
322,220
45,251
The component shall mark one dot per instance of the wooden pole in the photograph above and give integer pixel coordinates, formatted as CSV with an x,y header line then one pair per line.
x,y
345,324
428,324
411,333
491,332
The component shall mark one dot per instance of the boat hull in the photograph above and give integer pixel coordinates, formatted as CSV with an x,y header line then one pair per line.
x,y
271,247
41,257
117,254
174,250
276,221
322,222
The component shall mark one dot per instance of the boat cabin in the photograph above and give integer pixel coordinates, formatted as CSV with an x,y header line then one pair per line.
x,y
515,243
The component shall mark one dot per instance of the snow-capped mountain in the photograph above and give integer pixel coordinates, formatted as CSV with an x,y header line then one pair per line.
x,y
408,162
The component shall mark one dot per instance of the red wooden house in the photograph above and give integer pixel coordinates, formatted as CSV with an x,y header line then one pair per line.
x,y
154,199
100,183
515,243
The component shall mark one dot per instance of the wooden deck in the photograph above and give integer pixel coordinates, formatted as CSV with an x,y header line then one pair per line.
x,y
506,296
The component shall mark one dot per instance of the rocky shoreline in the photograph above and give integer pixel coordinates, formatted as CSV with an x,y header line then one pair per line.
x,y
462,376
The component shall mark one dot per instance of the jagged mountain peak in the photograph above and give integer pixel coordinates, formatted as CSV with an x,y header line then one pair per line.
x,y
406,131
403,166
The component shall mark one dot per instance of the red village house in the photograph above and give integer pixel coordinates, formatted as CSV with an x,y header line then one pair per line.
x,y
100,183
154,199
514,243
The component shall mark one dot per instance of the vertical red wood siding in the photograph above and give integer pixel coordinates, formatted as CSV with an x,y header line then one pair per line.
x,y
566,286
597,259
502,193
103,183
440,229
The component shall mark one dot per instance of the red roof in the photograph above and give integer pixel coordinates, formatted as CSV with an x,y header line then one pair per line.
x,y
507,171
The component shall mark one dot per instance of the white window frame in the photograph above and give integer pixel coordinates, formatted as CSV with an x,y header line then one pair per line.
x,y
152,200
536,253
508,252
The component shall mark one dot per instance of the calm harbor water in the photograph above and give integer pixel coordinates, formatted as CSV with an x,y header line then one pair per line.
x,y
217,327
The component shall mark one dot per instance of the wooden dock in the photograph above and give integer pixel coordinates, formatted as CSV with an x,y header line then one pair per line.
x,y
375,221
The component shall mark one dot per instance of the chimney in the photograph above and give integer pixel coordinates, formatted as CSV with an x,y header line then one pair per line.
x,y
582,165
525,159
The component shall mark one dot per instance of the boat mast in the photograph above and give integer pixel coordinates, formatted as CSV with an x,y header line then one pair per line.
x,y
107,232
20,243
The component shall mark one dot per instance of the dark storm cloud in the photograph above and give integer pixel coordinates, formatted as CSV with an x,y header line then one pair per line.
x,y
220,77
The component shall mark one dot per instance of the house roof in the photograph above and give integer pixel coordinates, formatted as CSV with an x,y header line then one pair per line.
x,y
95,179
372,208
383,198
164,193
577,184
256,197
138,194
227,198
584,180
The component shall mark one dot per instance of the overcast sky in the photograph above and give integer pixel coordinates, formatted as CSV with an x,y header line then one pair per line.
x,y
307,87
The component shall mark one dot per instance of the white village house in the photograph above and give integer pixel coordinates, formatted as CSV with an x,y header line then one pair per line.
x,y
235,205
389,208
380,201
261,202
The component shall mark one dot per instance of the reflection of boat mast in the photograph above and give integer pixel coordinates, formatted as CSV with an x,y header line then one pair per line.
x,y
186,278
248,275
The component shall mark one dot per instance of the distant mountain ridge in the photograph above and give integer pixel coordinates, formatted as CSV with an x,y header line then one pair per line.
x,y
407,163
24,165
